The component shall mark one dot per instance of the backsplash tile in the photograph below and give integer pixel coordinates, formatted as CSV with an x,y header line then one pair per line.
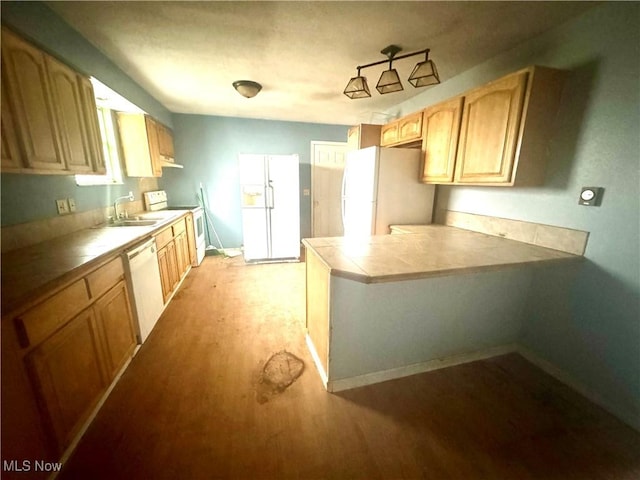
x,y
549,236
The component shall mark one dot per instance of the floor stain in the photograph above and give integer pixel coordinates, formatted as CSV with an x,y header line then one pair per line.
x,y
278,373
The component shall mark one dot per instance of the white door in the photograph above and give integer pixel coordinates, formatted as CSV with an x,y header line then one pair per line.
x,y
283,205
327,166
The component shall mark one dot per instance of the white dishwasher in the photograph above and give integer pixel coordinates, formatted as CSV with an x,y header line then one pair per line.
x,y
143,276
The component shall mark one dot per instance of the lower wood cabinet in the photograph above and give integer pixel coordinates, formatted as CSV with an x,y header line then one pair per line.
x,y
182,253
68,376
168,263
174,254
70,346
116,329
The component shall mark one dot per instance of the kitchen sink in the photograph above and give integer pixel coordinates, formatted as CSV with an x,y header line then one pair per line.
x,y
133,223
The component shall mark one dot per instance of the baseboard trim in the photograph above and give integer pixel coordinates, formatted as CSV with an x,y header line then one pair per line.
x,y
563,377
413,369
316,360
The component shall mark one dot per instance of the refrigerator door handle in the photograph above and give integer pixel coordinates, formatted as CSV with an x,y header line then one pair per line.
x,y
270,195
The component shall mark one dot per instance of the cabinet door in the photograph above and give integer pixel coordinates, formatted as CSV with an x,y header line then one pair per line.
x,y
70,115
163,263
389,134
441,127
31,103
172,260
168,269
68,376
182,253
11,158
410,127
154,146
165,141
91,121
115,324
489,131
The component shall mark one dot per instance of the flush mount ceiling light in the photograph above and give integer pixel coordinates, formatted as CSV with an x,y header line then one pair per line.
x,y
247,88
423,75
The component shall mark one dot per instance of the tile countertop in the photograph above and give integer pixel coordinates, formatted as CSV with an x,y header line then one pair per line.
x,y
29,272
437,250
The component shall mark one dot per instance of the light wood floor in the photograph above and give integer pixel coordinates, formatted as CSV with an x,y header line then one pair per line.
x,y
186,408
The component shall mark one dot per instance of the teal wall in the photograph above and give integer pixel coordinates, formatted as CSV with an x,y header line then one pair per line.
x,y
32,197
593,332
209,146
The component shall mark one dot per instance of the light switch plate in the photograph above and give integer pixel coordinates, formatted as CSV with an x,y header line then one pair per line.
x,y
591,196
72,204
63,206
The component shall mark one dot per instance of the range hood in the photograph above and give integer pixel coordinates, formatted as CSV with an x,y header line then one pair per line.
x,y
166,163
169,163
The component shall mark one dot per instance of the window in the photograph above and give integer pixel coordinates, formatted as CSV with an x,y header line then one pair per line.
x,y
110,151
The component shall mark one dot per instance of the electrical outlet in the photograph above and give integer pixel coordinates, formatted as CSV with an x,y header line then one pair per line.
x,y
72,204
63,206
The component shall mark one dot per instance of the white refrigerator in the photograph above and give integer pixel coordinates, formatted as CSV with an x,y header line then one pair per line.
x,y
381,187
270,200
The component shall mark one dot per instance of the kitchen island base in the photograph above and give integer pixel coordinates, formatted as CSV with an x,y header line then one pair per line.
x,y
364,330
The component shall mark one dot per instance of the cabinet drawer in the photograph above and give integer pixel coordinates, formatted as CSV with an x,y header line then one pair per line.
x,y
105,277
164,237
42,320
179,227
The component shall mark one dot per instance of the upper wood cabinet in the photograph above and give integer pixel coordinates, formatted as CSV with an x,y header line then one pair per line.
x,y
441,125
407,129
503,134
69,110
25,71
505,129
165,142
93,129
11,157
489,132
47,107
363,135
139,139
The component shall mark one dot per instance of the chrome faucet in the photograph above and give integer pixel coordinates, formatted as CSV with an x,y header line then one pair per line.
x,y
116,215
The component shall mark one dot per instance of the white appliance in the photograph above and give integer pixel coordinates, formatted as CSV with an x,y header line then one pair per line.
x,y
157,200
380,187
270,199
143,276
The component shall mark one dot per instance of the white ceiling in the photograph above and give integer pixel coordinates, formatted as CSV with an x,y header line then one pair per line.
x,y
187,54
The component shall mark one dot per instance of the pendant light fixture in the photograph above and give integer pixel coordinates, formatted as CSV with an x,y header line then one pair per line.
x,y
389,80
247,88
423,75
357,87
